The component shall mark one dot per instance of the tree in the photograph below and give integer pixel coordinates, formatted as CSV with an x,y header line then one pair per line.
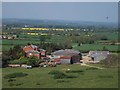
x,y
33,61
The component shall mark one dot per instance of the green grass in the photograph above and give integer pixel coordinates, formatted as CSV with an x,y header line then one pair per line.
x,y
0,78
39,77
88,47
20,42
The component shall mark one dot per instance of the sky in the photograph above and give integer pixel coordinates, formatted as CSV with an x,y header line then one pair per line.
x,y
77,11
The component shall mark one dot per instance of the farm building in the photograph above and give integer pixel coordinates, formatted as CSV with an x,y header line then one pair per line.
x,y
32,50
98,55
30,47
43,52
33,53
67,56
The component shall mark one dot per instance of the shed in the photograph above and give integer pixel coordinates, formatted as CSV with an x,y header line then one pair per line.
x,y
97,56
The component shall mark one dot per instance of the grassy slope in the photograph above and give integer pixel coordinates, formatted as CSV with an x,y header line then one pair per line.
x,y
90,78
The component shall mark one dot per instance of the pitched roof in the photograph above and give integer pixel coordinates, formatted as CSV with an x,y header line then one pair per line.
x,y
66,52
32,46
98,53
33,51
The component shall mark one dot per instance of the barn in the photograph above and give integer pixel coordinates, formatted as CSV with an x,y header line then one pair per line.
x,y
97,56
67,56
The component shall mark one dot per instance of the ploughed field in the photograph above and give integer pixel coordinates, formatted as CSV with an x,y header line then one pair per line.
x,y
62,76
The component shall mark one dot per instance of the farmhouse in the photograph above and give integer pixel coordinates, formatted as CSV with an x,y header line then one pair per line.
x,y
30,47
67,56
32,50
97,56
33,53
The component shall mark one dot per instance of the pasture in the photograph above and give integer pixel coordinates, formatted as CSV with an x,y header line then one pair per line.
x,y
89,47
86,77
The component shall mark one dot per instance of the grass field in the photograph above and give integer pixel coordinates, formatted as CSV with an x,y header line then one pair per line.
x,y
0,78
39,78
88,47
7,44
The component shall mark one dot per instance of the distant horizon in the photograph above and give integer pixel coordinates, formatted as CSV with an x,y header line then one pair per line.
x,y
80,11
58,20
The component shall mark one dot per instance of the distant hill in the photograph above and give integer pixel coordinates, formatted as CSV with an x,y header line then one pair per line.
x,y
33,22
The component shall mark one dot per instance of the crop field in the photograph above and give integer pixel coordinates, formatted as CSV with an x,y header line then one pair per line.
x,y
84,77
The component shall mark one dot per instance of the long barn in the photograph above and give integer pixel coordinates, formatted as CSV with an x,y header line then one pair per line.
x,y
67,56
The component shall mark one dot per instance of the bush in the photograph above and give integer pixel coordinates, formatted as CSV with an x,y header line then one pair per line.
x,y
60,75
14,75
11,80
33,61
57,74
74,71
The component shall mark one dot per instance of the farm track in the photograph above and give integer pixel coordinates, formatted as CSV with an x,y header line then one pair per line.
x,y
91,66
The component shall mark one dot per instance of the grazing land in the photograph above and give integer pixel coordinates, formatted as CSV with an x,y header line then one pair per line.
x,y
85,77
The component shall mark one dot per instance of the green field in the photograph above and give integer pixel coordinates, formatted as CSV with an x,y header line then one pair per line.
x,y
7,44
39,78
89,47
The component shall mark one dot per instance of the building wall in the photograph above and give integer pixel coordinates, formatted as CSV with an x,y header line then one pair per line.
x,y
36,55
28,48
76,59
65,61
43,53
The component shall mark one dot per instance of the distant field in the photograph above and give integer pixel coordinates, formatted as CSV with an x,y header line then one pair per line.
x,y
88,47
110,35
39,78
20,42
7,44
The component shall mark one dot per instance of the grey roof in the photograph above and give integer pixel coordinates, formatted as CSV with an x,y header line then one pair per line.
x,y
98,53
66,52
33,51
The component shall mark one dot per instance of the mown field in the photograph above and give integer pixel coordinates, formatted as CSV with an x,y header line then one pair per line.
x,y
39,77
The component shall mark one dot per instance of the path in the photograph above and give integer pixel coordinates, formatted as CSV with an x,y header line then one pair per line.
x,y
83,64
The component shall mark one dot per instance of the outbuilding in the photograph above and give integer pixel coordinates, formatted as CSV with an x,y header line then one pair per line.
x,y
67,56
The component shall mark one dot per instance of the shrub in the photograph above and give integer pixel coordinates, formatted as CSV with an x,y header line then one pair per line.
x,y
74,71
14,75
11,80
33,61
60,75
71,76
